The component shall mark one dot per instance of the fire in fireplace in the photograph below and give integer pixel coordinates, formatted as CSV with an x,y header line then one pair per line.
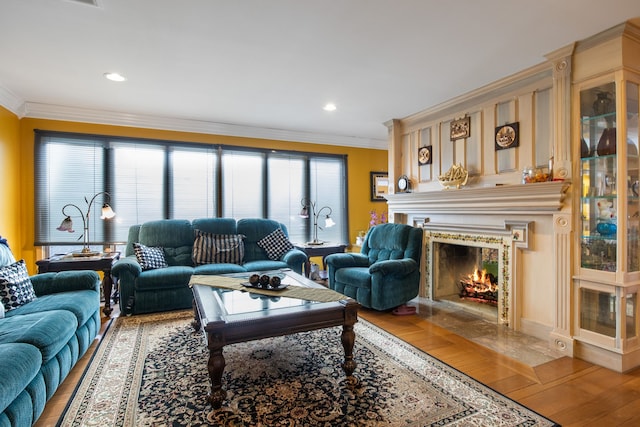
x,y
479,291
480,286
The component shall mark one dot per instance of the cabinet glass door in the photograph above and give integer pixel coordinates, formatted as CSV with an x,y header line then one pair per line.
x,y
598,169
633,199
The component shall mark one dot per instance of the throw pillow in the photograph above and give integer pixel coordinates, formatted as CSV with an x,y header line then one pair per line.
x,y
149,257
275,244
211,248
16,288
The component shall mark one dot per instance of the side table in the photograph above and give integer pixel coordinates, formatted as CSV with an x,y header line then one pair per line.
x,y
319,250
102,262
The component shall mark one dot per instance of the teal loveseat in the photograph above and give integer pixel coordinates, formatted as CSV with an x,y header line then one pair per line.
x,y
165,287
41,340
386,272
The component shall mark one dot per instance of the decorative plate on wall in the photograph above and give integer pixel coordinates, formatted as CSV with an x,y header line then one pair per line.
x,y
507,136
424,155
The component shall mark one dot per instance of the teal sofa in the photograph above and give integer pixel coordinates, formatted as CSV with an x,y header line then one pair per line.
x,y
386,272
166,288
41,340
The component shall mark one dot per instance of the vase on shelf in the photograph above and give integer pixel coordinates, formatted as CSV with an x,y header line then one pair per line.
x,y
603,104
607,228
584,148
607,142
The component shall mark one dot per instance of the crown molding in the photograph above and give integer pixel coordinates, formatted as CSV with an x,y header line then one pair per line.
x,y
85,115
11,102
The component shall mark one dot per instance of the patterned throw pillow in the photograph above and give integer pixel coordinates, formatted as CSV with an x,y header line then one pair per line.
x,y
275,244
148,257
16,288
211,248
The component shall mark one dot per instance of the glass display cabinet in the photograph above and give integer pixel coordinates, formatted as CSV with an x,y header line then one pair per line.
x,y
609,209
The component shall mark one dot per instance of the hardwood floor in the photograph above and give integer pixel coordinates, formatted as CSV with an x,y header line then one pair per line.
x,y
569,391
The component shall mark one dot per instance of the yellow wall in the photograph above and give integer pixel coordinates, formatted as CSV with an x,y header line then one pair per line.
x,y
10,206
360,163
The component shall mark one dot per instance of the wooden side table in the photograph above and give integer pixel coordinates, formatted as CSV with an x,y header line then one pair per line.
x,y
102,262
319,250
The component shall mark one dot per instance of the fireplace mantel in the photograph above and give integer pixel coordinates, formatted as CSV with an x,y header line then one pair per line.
x,y
522,199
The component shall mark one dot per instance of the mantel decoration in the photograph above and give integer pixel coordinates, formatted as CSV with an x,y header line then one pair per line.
x,y
507,136
67,223
460,128
315,214
379,186
455,177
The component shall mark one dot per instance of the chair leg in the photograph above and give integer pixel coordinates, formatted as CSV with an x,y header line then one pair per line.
x,y
404,310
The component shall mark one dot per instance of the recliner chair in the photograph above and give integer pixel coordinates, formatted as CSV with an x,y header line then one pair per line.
x,y
386,272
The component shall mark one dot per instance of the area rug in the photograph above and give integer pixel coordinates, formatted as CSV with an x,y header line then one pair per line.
x,y
151,370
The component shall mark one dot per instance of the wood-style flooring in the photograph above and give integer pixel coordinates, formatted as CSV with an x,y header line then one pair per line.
x,y
571,392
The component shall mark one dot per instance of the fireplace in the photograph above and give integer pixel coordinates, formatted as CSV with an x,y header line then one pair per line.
x,y
529,230
472,271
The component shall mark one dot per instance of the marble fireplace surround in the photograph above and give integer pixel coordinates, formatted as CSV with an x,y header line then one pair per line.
x,y
504,218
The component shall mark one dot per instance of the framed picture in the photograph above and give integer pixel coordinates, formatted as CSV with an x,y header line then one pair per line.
x,y
507,136
460,128
379,186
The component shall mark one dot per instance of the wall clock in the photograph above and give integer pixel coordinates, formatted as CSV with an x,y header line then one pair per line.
x,y
404,185
424,155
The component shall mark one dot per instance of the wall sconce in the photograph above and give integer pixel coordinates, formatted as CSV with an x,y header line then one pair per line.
x,y
67,223
315,214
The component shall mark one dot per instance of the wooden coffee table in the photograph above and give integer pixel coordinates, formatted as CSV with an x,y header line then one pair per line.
x,y
232,316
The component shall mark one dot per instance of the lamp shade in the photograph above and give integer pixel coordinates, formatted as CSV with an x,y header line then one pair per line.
x,y
107,212
66,225
328,222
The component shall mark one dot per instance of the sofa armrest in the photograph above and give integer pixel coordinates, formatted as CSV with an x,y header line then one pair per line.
x,y
295,258
343,260
397,267
126,265
65,281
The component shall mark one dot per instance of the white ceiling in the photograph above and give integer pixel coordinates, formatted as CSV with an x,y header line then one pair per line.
x,y
257,67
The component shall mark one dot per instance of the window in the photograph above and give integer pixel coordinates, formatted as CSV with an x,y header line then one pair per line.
x,y
148,180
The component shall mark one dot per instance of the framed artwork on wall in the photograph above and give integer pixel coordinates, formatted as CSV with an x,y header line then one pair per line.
x,y
507,136
379,186
460,128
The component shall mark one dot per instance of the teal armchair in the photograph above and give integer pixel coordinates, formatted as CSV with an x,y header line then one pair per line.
x,y
386,272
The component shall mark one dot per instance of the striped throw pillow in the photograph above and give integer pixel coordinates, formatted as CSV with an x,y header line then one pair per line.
x,y
211,248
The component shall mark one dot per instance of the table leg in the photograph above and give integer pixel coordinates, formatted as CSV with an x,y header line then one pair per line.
x,y
107,284
348,337
215,366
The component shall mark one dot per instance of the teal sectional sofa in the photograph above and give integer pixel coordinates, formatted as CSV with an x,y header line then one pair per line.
x,y
42,339
164,286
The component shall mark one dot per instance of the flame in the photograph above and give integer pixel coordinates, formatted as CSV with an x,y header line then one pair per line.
x,y
480,281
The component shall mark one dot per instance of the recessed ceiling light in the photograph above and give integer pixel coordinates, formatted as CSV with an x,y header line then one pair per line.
x,y
329,107
115,77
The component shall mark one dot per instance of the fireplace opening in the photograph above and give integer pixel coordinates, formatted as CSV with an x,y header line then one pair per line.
x,y
467,276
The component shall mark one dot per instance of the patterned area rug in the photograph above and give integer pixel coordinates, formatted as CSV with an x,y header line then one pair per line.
x,y
150,370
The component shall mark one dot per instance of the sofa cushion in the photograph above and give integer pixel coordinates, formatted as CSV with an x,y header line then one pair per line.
x,y
175,236
21,365
275,244
83,304
211,248
148,257
222,268
164,278
16,288
49,331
